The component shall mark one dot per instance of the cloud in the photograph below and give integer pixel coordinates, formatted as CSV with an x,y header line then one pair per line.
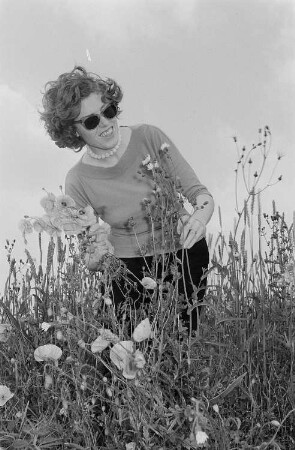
x,y
17,114
27,159
114,20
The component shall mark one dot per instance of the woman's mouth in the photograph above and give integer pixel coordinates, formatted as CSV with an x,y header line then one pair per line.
x,y
107,132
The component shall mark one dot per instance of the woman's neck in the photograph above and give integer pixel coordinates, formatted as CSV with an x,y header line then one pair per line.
x,y
114,158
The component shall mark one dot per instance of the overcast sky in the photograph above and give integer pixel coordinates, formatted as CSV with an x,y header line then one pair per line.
x,y
202,70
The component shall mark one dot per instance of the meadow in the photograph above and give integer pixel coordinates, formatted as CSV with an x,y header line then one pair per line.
x,y
75,373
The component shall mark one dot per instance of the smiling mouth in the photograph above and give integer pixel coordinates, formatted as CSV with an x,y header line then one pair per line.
x,y
108,132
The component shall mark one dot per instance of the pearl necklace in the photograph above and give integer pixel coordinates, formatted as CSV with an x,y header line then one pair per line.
x,y
108,153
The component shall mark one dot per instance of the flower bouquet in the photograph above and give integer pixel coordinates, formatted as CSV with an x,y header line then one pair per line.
x,y
63,216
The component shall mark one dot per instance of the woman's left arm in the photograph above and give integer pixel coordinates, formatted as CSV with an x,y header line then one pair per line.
x,y
192,228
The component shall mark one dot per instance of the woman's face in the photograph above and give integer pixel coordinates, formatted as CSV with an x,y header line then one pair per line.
x,y
106,134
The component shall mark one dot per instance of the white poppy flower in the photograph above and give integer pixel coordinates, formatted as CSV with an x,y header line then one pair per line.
x,y
64,201
105,338
5,394
130,446
201,437
25,226
48,203
99,344
45,326
142,331
148,283
47,352
121,356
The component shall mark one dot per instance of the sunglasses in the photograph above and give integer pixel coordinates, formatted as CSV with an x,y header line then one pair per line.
x,y
92,121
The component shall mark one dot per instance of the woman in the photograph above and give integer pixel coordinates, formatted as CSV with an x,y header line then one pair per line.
x,y
117,176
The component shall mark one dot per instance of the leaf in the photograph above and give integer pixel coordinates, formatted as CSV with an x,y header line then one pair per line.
x,y
231,319
20,443
234,384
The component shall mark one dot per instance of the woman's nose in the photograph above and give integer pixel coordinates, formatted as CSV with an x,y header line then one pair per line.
x,y
104,121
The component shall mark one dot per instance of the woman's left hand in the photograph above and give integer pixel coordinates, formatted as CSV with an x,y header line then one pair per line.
x,y
190,229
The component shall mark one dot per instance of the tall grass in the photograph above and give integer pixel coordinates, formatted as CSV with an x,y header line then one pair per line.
x,y
232,379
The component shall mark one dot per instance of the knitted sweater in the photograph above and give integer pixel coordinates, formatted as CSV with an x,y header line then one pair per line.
x,y
116,193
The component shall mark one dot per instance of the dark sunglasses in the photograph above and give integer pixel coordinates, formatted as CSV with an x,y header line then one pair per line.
x,y
92,121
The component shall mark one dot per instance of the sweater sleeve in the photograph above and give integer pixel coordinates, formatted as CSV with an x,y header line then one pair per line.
x,y
74,188
176,165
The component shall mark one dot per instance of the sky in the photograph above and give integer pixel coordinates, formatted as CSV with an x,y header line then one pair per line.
x,y
204,71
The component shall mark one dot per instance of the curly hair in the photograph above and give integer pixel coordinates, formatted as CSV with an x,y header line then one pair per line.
x,y
62,103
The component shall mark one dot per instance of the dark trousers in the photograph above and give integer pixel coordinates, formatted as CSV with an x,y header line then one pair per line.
x,y
194,262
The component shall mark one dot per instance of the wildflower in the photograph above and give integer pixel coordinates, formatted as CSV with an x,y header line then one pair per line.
x,y
83,385
45,326
81,343
100,228
216,408
108,301
47,352
48,203
122,356
48,381
25,227
69,359
164,146
19,415
146,160
142,331
39,225
64,201
109,392
65,404
139,360
289,273
130,446
70,225
103,341
148,283
5,328
201,437
47,224
275,423
96,251
64,409
150,166
87,217
5,394
59,335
